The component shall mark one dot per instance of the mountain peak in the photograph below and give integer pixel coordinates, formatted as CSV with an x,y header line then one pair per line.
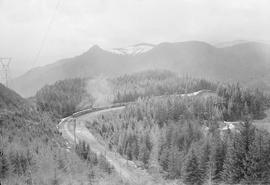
x,y
95,48
133,50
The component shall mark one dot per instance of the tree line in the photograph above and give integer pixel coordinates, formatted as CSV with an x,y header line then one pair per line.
x,y
128,88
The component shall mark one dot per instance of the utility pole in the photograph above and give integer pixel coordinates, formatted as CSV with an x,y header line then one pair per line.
x,y
2,137
74,119
5,62
108,144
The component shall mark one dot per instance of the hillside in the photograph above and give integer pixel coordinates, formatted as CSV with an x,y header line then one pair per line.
x,y
245,62
156,133
10,100
63,98
181,137
33,151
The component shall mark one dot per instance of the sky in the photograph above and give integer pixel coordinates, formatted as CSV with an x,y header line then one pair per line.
x,y
38,32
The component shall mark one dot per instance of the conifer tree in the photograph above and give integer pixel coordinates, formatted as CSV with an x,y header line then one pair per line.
x,y
164,157
173,162
192,173
246,136
266,159
91,176
231,170
256,162
244,141
92,158
144,153
135,148
4,166
252,165
205,161
163,152
217,158
16,163
129,152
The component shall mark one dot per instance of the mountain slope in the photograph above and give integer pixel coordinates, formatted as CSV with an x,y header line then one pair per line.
x,y
10,100
246,62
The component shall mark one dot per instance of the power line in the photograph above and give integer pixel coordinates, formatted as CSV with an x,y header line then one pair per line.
x,y
46,34
5,62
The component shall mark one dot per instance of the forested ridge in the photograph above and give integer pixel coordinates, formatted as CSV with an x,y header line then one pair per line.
x,y
128,88
181,138
187,145
68,96
63,98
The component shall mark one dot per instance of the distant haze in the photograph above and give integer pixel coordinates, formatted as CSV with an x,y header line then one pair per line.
x,y
77,25
247,62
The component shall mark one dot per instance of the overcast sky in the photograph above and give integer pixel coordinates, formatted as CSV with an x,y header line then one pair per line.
x,y
78,24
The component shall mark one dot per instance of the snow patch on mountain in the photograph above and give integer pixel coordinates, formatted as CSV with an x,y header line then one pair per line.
x,y
133,50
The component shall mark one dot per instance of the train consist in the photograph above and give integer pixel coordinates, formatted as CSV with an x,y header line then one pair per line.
x,y
94,109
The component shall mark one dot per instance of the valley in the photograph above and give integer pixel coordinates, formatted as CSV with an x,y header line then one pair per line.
x,y
137,92
140,128
126,169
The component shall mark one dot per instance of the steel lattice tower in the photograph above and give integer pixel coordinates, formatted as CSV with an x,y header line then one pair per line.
x,y
5,62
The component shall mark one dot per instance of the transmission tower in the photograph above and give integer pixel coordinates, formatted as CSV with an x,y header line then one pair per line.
x,y
5,62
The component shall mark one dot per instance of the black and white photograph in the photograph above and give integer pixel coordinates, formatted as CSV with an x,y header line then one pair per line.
x,y
134,92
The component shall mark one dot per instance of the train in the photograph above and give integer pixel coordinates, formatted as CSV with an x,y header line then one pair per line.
x,y
94,109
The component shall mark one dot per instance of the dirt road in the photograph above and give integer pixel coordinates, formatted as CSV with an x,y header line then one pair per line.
x,y
127,169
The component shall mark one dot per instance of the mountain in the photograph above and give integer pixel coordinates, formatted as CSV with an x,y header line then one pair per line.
x,y
247,62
